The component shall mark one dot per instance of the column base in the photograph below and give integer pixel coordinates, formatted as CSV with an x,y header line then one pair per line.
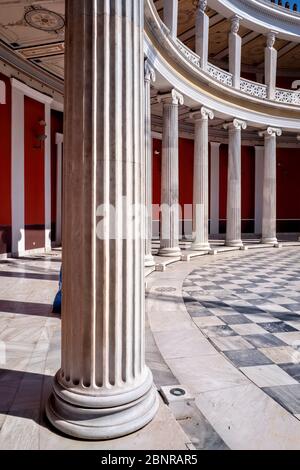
x,y
269,240
86,421
149,261
170,252
200,246
234,243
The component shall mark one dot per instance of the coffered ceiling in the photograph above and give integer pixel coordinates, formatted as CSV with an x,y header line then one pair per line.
x,y
34,30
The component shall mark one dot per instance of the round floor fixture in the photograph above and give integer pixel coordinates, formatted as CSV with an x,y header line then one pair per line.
x,y
177,392
44,20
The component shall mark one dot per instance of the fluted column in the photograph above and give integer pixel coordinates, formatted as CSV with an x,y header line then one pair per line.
x,y
259,172
169,231
269,186
233,224
171,16
103,389
200,187
149,77
214,187
202,33
270,64
235,51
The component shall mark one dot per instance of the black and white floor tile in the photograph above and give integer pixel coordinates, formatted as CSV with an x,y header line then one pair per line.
x,y
249,309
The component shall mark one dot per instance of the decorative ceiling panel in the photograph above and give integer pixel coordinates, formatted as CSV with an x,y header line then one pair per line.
x,y
34,29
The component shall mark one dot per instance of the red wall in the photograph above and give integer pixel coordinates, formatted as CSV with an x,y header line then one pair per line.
x,y
288,189
5,170
56,126
186,170
34,112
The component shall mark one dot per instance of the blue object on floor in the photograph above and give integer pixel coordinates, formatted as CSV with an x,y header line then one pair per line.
x,y
57,300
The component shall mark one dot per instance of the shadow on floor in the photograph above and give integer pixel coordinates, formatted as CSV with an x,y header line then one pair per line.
x,y
26,308
23,275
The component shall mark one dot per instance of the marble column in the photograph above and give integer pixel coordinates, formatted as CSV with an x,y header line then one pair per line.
x,y
171,16
103,389
149,77
200,186
269,186
235,50
202,33
169,231
214,187
59,138
259,171
270,65
233,224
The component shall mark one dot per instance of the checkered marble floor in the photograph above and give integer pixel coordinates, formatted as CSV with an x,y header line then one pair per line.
x,y
249,309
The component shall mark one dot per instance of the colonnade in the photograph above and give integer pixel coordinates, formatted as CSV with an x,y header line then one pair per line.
x,y
169,233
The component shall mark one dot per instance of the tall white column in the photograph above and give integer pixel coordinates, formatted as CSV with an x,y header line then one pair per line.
x,y
59,138
214,187
200,187
270,64
169,231
235,50
202,33
47,173
259,171
149,77
171,16
103,389
17,170
269,185
233,224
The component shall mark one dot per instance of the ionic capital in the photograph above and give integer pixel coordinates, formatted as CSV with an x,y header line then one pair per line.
x,y
270,132
149,72
202,114
173,97
236,124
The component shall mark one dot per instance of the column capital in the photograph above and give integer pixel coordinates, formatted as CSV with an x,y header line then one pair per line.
x,y
270,132
201,5
149,72
236,124
271,38
235,24
215,144
202,114
172,97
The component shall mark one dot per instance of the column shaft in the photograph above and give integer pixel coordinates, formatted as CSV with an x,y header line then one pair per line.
x,y
259,172
103,389
235,50
233,225
169,233
202,33
200,186
269,186
149,76
171,16
59,152
270,65
214,187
